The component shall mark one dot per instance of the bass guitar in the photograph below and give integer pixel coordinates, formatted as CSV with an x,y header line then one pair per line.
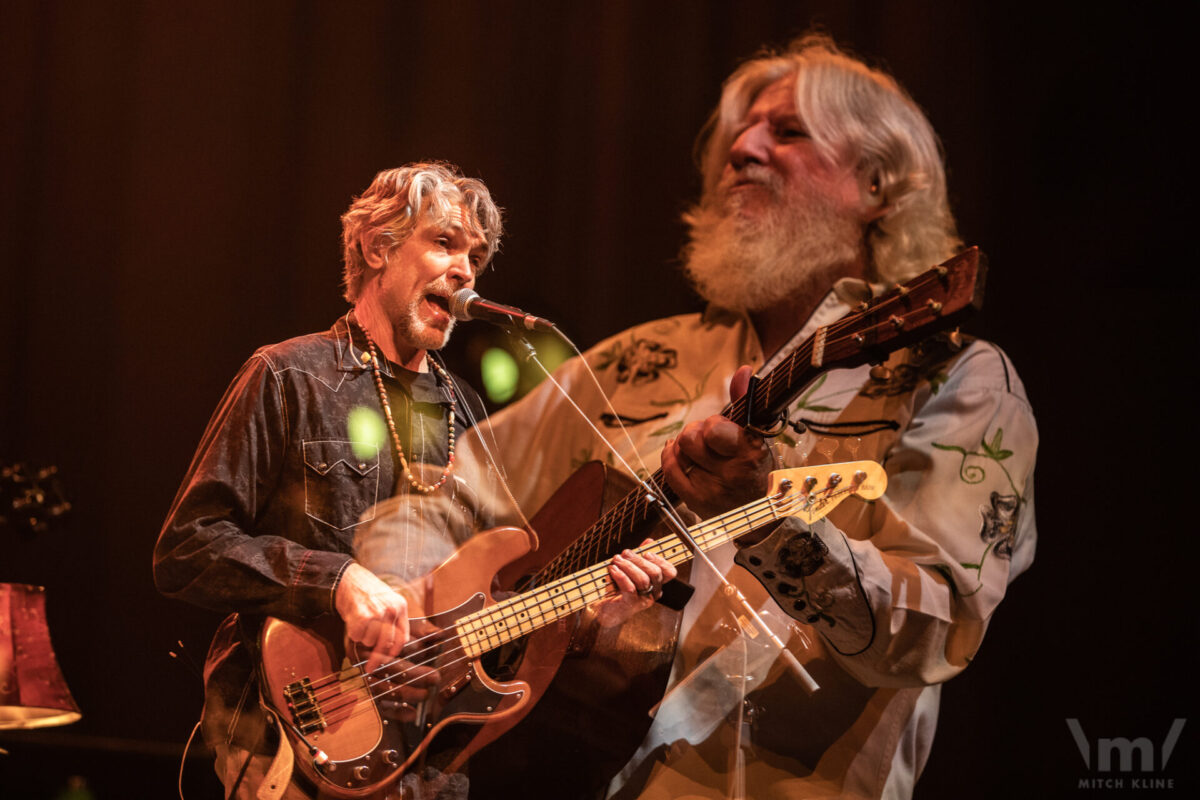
x,y
364,730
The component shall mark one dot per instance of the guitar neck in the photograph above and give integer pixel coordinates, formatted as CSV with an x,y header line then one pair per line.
x,y
517,616
935,300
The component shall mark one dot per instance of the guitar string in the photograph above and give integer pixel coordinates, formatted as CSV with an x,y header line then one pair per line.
x,y
719,527
717,524
675,548
503,605
595,577
634,508
753,515
606,531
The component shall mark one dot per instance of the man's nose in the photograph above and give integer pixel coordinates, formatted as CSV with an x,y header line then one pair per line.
x,y
752,145
461,270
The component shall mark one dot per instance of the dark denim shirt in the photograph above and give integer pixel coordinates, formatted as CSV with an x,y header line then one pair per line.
x,y
264,522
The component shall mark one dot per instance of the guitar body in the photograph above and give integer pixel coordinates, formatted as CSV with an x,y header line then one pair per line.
x,y
591,712
370,732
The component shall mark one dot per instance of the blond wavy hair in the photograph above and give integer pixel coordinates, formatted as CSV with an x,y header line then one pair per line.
x,y
854,112
396,200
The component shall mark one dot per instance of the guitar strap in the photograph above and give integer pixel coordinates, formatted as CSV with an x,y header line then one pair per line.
x,y
279,774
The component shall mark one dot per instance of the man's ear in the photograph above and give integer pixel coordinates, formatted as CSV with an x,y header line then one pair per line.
x,y
373,244
873,203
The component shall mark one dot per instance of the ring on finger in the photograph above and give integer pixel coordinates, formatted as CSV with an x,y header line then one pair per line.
x,y
648,591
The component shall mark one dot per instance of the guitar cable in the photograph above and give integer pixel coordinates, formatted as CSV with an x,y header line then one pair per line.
x,y
183,759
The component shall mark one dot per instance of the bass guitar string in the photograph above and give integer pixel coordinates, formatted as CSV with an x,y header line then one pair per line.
x,y
719,526
717,523
671,548
671,551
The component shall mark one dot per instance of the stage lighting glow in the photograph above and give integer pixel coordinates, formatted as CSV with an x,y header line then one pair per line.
x,y
368,431
553,353
500,374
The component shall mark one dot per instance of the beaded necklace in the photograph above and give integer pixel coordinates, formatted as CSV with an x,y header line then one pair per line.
x,y
423,488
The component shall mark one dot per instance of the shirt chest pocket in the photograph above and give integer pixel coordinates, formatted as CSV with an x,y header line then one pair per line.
x,y
341,481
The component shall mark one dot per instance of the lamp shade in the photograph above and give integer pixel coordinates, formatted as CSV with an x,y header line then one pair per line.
x,y
33,693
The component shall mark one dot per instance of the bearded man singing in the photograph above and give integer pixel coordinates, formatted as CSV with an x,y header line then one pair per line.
x,y
823,185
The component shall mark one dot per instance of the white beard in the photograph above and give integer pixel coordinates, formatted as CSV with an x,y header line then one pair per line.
x,y
793,248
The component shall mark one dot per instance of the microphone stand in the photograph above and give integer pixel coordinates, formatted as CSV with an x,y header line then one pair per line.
x,y
728,590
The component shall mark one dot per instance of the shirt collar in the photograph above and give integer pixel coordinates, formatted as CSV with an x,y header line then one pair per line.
x,y
837,303
351,340
352,353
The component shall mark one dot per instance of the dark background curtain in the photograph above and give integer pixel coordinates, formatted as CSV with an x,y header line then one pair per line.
x,y
173,173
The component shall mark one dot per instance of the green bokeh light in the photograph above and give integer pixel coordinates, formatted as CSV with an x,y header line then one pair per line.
x,y
500,374
553,353
368,432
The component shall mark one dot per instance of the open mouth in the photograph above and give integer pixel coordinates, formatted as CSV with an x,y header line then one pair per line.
x,y
439,302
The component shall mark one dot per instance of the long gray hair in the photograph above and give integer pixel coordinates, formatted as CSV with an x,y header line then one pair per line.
x,y
853,112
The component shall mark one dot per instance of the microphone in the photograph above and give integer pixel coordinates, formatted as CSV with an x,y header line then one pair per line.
x,y
466,304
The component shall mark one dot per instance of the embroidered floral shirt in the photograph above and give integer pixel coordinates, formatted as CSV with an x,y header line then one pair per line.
x,y
881,601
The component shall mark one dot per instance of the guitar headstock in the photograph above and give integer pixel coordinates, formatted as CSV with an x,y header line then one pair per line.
x,y
933,301
936,299
812,492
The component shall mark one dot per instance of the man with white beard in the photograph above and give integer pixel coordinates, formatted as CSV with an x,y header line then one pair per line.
x,y
823,185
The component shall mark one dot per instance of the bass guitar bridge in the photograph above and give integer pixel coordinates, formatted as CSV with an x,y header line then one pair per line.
x,y
302,702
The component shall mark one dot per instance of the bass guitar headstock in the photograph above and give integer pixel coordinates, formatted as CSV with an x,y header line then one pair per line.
x,y
812,492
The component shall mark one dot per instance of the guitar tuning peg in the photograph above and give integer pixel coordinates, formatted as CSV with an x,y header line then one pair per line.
x,y
834,481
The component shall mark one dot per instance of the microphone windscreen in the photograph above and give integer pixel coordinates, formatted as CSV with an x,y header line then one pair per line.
x,y
459,302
